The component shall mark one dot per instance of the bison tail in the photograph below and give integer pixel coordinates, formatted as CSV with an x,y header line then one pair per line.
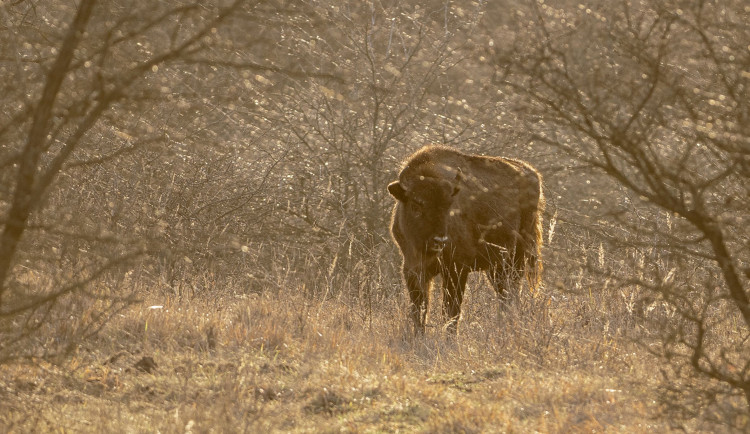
x,y
532,230
534,264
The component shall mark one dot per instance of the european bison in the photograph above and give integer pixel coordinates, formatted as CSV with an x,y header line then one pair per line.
x,y
456,213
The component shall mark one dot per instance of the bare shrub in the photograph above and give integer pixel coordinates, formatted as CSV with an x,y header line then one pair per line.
x,y
626,107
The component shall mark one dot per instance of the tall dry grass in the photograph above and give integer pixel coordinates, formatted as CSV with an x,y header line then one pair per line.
x,y
298,355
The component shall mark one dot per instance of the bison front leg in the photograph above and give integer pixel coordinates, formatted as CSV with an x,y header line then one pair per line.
x,y
418,284
454,284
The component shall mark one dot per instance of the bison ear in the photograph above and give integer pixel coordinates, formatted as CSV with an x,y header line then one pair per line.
x,y
397,191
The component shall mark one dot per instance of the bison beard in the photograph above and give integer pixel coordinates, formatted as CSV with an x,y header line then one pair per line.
x,y
457,213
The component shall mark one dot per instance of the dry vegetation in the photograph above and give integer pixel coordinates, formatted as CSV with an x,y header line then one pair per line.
x,y
280,361
194,215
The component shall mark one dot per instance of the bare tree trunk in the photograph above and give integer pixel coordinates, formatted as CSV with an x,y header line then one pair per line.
x,y
23,203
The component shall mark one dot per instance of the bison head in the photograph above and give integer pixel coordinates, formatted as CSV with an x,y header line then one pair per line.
x,y
425,208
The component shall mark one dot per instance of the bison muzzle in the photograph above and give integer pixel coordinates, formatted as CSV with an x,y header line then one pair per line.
x,y
457,213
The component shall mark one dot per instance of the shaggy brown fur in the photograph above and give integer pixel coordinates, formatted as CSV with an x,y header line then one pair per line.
x,y
456,213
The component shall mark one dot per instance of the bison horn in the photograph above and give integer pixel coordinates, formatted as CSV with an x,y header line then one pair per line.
x,y
457,181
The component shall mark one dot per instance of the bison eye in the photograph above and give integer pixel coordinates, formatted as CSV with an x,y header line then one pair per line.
x,y
417,208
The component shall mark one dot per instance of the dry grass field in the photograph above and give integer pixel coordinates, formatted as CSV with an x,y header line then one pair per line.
x,y
284,362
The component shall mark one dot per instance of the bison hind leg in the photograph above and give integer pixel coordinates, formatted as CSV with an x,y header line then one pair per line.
x,y
505,277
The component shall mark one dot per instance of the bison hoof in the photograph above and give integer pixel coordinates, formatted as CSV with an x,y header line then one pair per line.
x,y
451,327
418,329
